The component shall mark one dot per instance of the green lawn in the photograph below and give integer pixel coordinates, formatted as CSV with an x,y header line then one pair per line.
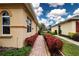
x,y
70,49
18,52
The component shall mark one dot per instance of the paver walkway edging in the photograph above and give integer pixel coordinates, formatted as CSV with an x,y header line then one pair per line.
x,y
74,42
40,47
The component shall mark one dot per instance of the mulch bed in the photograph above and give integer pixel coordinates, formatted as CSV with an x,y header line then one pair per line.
x,y
7,48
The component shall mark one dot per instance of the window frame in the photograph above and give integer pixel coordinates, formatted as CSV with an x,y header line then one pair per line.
x,y
3,25
29,25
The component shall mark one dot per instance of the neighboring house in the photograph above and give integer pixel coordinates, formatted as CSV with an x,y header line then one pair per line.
x,y
70,25
17,22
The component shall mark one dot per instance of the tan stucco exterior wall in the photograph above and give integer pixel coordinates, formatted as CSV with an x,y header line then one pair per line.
x,y
18,27
54,28
68,27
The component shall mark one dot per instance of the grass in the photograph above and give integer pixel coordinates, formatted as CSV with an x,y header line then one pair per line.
x,y
18,52
42,33
53,33
70,49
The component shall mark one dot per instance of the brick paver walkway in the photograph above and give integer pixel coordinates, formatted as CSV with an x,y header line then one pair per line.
x,y
40,47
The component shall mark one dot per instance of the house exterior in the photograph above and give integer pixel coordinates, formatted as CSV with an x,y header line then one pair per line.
x,y
17,22
70,25
54,28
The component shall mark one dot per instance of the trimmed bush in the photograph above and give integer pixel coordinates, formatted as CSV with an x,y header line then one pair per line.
x,y
54,44
67,36
76,37
30,40
71,34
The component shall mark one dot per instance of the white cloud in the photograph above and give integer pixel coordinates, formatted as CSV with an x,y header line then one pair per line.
x,y
51,22
56,15
76,12
62,19
36,5
38,11
44,21
59,19
47,22
56,4
57,12
69,16
56,22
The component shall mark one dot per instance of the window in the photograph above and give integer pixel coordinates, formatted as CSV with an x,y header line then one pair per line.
x,y
5,23
29,25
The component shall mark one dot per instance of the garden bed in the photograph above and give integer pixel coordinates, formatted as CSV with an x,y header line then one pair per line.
x,y
4,51
15,51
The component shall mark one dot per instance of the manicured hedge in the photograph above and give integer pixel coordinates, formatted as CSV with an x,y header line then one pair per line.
x,y
54,44
30,40
71,34
76,37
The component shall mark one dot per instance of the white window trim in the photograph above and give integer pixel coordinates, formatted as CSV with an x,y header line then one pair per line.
x,y
5,16
4,25
29,21
6,35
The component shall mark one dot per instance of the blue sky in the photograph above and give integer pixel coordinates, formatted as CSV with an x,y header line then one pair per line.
x,y
53,13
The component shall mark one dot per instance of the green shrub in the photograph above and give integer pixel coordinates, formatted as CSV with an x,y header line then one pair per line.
x,y
18,52
71,34
42,32
76,37
53,33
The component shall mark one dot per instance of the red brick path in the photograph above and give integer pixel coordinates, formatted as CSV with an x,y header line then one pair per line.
x,y
40,47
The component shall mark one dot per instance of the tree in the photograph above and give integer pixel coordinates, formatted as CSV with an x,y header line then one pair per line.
x,y
42,28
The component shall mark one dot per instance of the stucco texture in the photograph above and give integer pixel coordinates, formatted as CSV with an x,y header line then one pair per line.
x,y
18,26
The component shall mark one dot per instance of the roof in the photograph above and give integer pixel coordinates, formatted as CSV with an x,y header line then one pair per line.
x,y
73,18
30,8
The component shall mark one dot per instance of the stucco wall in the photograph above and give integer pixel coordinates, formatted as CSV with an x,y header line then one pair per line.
x,y
68,27
54,28
18,27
